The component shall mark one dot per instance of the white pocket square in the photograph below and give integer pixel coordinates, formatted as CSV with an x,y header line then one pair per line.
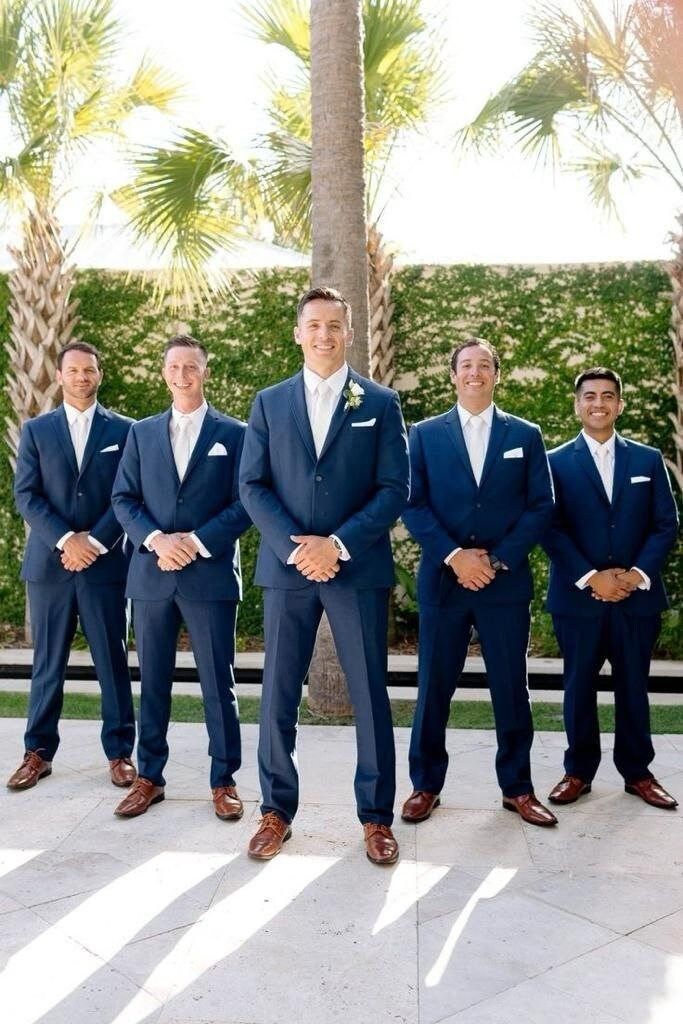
x,y
110,448
218,449
640,479
365,423
514,453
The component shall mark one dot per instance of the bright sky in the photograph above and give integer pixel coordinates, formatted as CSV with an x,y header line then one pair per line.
x,y
444,208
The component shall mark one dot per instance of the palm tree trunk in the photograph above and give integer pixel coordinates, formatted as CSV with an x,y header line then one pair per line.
x,y
43,321
382,330
675,269
338,231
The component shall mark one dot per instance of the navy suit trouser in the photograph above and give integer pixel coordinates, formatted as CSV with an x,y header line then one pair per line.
x,y
211,625
56,609
358,621
443,640
627,642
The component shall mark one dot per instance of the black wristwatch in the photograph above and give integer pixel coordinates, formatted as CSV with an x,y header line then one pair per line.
x,y
496,564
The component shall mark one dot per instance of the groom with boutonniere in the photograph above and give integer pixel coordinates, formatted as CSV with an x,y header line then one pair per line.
x,y
324,476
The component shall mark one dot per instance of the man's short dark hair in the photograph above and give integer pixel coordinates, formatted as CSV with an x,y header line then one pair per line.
x,y
184,341
471,343
328,295
79,346
598,373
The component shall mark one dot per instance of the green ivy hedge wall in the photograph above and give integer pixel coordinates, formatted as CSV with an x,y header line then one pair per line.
x,y
547,323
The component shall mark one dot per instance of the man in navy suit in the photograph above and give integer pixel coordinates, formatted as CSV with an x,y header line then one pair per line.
x,y
324,476
74,563
615,522
481,497
176,497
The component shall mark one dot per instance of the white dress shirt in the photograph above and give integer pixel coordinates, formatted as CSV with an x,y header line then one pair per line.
x,y
604,455
73,415
335,382
196,422
486,415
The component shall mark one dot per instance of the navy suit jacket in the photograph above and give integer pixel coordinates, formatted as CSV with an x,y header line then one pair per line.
x,y
507,513
356,489
53,496
148,496
637,528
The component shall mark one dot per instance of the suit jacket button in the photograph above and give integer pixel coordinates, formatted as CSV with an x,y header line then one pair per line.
x,y
471,536
80,494
478,505
318,479
180,501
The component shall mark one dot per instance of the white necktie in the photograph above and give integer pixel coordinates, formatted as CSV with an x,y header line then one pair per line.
x,y
477,445
322,414
80,437
182,445
602,460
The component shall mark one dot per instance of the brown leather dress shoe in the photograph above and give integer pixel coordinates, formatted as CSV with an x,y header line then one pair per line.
x,y
31,769
529,808
568,790
141,796
419,806
652,792
122,772
380,845
268,839
226,803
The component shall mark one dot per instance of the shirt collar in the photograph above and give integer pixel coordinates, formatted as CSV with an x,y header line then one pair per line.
x,y
336,380
72,413
197,416
596,446
486,415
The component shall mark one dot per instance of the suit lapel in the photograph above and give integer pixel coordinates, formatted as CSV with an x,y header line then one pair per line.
x,y
209,427
61,425
338,417
97,426
455,435
499,426
300,413
164,439
586,462
621,459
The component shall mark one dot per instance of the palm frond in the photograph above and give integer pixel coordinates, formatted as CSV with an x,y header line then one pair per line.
x,y
283,22
190,202
12,18
601,168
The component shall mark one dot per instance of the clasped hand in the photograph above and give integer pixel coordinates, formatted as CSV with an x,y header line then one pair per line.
x,y
614,584
317,558
174,550
472,568
78,553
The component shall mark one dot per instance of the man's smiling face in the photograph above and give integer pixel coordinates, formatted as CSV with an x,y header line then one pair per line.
x,y
185,371
598,404
475,377
324,334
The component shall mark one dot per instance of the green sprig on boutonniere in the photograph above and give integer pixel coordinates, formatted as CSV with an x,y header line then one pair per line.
x,y
353,395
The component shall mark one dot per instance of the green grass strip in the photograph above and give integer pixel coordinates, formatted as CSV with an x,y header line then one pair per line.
x,y
465,714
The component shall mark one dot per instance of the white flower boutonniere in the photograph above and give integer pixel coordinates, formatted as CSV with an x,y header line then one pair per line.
x,y
353,395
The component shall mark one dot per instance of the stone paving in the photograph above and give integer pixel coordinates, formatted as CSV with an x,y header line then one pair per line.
x,y
484,920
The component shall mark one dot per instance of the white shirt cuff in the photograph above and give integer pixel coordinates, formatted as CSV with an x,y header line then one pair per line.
x,y
646,584
295,552
149,538
344,555
62,540
583,582
96,544
203,551
449,556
